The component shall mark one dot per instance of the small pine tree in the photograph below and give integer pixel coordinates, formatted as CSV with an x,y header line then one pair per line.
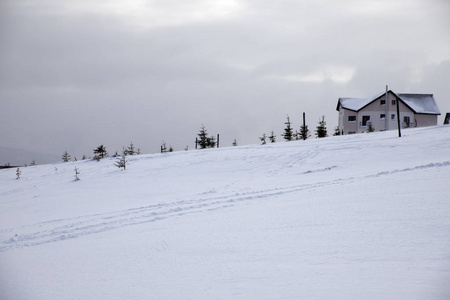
x,y
138,151
76,174
170,149
84,157
33,163
130,150
272,137
336,131
234,143
204,141
66,156
211,142
370,129
163,147
321,129
263,139
121,162
18,173
288,132
100,152
303,133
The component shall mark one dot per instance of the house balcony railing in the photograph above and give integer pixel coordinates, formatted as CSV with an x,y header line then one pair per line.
x,y
409,125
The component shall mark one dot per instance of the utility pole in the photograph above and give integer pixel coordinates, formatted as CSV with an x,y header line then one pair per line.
x,y
304,126
398,117
386,111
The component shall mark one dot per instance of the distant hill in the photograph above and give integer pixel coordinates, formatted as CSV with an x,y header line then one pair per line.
x,y
20,157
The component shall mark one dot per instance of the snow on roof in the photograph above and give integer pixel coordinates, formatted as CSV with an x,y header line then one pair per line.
x,y
419,103
356,104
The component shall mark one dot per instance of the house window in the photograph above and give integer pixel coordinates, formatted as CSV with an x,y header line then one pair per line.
x,y
382,102
352,118
365,119
382,116
393,102
393,117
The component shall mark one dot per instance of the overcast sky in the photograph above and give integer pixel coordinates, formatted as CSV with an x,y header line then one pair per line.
x,y
76,74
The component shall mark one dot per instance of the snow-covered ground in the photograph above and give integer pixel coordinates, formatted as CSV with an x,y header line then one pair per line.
x,y
353,217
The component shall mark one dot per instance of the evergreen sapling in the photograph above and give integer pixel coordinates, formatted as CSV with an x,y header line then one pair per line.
x,y
100,152
263,139
321,129
304,132
288,132
66,156
121,162
76,174
336,131
272,137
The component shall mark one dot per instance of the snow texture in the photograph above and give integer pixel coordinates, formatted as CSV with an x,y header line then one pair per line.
x,y
351,217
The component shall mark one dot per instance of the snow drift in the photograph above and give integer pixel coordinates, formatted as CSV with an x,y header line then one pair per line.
x,y
352,217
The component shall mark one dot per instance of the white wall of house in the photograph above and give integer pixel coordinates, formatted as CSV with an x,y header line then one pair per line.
x,y
344,124
373,112
426,120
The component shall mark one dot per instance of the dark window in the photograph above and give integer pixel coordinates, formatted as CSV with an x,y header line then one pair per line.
x,y
393,102
383,102
352,118
392,117
365,119
382,116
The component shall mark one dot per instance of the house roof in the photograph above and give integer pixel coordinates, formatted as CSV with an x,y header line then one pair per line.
x,y
419,103
356,104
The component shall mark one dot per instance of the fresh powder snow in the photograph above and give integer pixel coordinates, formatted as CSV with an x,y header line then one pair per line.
x,y
362,216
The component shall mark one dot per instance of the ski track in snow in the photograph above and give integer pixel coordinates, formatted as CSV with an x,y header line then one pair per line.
x,y
62,229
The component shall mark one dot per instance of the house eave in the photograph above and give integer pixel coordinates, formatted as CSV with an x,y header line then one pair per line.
x,y
428,114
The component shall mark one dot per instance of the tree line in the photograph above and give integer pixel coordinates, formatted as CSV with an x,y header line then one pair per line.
x,y
302,134
203,141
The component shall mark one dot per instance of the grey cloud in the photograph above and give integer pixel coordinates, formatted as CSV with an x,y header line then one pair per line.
x,y
85,78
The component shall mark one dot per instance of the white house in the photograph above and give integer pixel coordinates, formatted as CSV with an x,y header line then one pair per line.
x,y
416,110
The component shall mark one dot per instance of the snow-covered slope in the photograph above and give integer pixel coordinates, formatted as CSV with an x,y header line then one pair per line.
x,y
353,217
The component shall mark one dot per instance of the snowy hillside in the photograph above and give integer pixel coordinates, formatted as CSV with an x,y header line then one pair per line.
x,y
353,217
